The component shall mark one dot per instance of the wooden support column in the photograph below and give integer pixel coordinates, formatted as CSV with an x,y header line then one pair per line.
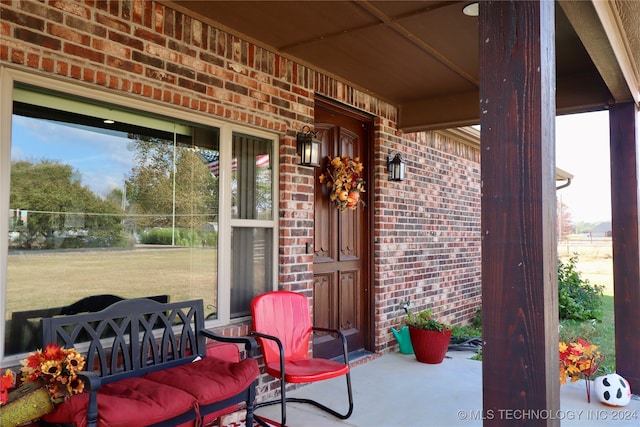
x,y
519,252
626,250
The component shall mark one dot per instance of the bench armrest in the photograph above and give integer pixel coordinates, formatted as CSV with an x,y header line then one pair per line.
x,y
250,344
91,385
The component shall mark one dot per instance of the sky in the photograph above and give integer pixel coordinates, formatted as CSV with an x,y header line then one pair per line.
x,y
582,149
103,161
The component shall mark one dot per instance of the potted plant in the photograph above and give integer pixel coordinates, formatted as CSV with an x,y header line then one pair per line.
x,y
429,338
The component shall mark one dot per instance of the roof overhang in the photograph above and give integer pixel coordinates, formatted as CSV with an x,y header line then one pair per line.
x,y
422,56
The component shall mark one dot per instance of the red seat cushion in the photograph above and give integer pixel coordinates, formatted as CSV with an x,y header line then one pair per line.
x,y
308,370
131,402
162,395
209,380
223,350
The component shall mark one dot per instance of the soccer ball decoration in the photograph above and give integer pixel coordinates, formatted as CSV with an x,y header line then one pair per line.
x,y
613,390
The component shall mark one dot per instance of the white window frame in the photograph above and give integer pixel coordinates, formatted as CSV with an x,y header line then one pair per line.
x,y
10,76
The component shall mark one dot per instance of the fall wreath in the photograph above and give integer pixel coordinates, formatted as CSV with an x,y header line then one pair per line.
x,y
344,181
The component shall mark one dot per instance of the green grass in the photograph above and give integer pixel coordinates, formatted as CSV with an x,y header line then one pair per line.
x,y
600,333
57,278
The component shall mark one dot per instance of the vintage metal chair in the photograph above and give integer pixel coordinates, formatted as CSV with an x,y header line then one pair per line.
x,y
282,325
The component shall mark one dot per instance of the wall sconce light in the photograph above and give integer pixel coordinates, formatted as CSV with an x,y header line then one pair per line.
x,y
308,147
395,166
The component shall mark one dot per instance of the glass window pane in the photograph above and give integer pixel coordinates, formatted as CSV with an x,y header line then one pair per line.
x,y
252,267
100,208
252,178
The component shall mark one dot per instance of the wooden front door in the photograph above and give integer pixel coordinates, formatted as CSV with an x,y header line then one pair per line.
x,y
341,249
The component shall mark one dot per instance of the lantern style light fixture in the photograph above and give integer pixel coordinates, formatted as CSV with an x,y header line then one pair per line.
x,y
395,166
308,147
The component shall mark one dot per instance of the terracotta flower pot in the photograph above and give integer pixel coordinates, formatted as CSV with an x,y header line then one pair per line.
x,y
429,346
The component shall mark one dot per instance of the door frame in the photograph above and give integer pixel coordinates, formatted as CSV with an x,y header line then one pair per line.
x,y
334,107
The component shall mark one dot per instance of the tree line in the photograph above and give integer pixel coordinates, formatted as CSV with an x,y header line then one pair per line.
x,y
53,209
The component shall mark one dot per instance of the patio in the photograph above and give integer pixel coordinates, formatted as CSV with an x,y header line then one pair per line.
x,y
396,390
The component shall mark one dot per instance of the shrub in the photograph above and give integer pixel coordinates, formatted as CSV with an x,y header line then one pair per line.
x,y
183,237
577,298
156,236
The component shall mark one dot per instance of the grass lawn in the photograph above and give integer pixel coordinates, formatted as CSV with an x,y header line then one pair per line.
x,y
600,333
595,264
57,278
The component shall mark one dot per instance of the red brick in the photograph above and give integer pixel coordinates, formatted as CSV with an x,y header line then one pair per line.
x,y
37,39
158,18
66,33
112,49
76,72
62,68
101,78
48,64
43,10
88,75
125,40
82,25
136,87
122,64
72,7
21,19
113,24
17,56
33,61
83,52
150,36
5,28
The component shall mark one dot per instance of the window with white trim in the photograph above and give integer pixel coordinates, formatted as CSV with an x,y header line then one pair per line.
x,y
110,200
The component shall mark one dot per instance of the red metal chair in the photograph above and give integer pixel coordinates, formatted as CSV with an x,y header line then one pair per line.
x,y
282,325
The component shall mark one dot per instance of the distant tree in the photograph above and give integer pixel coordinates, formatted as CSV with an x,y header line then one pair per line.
x,y
55,201
565,223
157,197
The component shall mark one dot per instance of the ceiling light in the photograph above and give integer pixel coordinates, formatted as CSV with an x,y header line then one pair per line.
x,y
471,9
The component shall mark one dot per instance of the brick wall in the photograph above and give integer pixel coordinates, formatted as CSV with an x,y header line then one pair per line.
x,y
427,234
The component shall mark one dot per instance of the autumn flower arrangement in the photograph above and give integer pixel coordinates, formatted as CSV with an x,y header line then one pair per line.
x,y
6,382
58,368
579,359
344,182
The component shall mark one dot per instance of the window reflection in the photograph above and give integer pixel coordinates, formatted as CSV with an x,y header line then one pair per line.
x,y
96,208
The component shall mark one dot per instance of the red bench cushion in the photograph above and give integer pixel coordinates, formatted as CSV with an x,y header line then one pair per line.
x,y
209,380
161,395
131,402
223,350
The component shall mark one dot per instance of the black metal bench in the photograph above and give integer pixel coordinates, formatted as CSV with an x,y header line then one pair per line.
x,y
147,364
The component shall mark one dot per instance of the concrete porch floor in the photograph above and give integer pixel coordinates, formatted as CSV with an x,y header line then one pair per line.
x,y
396,390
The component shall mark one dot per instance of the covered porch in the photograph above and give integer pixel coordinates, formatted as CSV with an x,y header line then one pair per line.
x,y
509,67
